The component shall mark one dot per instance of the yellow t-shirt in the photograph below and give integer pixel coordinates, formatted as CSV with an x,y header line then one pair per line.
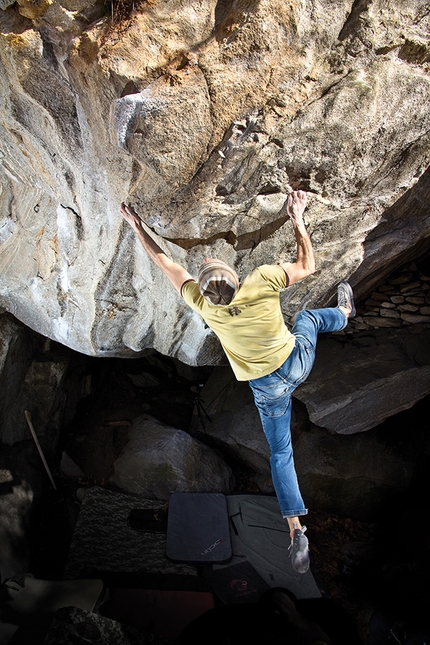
x,y
251,329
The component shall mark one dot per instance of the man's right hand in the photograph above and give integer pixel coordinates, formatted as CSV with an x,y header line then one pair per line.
x,y
296,204
305,263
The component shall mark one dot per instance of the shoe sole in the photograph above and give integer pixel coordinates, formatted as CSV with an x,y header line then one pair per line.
x,y
300,559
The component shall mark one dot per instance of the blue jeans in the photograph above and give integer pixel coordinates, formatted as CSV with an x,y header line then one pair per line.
x,y
272,396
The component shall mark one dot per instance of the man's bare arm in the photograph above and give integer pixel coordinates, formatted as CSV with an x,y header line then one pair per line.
x,y
176,274
305,263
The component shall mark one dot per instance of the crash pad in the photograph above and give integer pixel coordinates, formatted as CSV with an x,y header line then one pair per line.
x,y
198,528
260,536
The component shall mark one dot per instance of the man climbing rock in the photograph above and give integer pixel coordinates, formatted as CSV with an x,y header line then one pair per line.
x,y
247,318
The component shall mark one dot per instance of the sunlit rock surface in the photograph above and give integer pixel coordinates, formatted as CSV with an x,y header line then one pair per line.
x,y
204,116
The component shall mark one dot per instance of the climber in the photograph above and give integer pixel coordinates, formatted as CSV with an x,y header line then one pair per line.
x,y
247,319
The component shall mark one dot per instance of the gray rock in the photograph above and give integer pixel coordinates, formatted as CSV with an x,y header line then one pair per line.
x,y
21,481
16,352
408,288
355,476
389,313
46,383
415,319
234,424
69,469
376,296
159,460
381,321
356,384
147,124
43,394
415,300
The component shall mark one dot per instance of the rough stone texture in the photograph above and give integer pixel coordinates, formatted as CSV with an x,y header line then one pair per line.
x,y
357,383
356,476
159,460
404,298
226,417
360,476
21,480
104,541
47,383
203,115
16,352
42,393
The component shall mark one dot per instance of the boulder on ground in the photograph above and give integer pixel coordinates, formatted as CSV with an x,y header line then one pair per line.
x,y
361,476
46,382
226,416
359,381
159,460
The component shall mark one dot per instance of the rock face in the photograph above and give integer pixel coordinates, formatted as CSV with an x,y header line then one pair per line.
x,y
204,116
363,475
47,383
226,417
21,485
380,364
351,386
355,385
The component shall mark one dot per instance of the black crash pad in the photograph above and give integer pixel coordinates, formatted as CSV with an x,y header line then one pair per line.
x,y
198,528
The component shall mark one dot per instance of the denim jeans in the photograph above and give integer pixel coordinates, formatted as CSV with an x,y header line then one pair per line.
x,y
272,396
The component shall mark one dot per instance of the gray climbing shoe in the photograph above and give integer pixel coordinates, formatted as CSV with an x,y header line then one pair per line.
x,y
299,550
345,297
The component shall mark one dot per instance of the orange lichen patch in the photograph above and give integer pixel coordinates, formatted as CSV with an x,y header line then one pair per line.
x,y
110,313
229,25
87,49
46,253
18,42
74,58
54,244
33,9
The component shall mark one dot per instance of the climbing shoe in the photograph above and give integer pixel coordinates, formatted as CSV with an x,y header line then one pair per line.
x,y
345,297
299,550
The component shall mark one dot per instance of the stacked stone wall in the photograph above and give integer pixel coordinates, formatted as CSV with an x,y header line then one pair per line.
x,y
401,300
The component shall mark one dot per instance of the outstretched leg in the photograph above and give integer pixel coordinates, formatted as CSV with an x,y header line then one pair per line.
x,y
273,398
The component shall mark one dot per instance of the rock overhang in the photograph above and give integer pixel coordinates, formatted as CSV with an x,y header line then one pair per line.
x,y
250,104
